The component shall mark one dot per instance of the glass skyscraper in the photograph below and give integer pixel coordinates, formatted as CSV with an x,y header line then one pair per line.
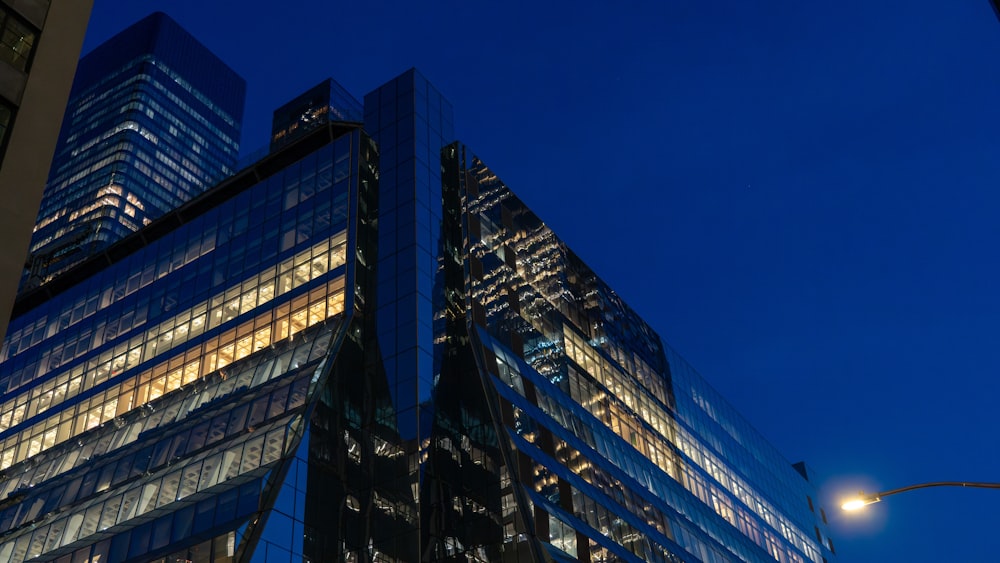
x,y
411,121
365,347
617,449
153,120
174,404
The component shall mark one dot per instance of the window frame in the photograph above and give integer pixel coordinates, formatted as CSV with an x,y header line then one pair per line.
x,y
8,14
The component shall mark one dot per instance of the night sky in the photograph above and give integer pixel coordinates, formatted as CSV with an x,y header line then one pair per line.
x,y
800,197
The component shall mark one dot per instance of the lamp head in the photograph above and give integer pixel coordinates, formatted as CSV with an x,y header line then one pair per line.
x,y
860,502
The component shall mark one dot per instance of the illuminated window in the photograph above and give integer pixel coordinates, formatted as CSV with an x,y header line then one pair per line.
x,y
172,333
249,337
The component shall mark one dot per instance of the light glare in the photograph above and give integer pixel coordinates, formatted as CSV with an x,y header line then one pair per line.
x,y
856,504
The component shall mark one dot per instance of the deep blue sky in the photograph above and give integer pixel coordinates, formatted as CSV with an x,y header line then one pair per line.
x,y
801,197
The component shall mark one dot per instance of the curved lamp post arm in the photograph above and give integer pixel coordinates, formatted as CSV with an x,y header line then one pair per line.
x,y
863,499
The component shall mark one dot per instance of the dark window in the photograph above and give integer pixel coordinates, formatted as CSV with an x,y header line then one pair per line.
x,y
17,39
822,514
810,501
6,119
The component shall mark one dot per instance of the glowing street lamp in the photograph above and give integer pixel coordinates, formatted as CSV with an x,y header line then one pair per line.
x,y
863,500
860,502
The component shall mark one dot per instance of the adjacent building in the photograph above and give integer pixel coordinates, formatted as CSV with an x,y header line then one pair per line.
x,y
197,353
621,451
153,120
365,347
39,47
317,106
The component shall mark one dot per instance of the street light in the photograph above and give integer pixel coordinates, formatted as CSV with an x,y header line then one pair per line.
x,y
860,502
863,500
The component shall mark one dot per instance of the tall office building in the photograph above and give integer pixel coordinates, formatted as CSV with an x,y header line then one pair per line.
x,y
411,121
153,120
619,450
366,348
39,46
197,356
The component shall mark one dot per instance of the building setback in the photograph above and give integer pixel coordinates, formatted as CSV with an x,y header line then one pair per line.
x,y
365,347
39,46
153,120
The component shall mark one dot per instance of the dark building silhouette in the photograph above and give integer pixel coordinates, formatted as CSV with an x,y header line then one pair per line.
x,y
39,46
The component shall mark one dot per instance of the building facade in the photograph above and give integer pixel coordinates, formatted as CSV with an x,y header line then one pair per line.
x,y
153,120
39,47
166,372
364,347
621,451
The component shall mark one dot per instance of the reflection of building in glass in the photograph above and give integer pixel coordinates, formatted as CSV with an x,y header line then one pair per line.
x,y
368,349
326,102
153,120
